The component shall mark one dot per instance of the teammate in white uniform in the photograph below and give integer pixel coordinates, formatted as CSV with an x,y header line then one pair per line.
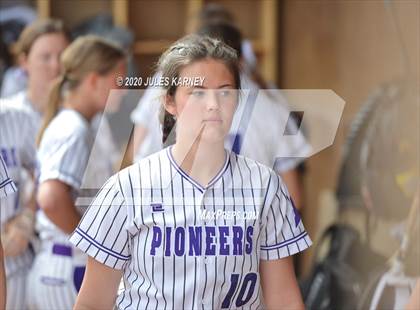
x,y
193,226
90,66
7,187
17,147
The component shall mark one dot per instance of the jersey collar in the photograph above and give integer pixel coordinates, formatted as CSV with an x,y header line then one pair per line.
x,y
201,188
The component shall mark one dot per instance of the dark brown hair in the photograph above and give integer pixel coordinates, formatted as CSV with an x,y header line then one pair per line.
x,y
186,51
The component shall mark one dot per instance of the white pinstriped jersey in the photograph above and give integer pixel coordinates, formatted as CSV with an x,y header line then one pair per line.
x,y
63,154
6,184
100,167
17,147
183,246
21,101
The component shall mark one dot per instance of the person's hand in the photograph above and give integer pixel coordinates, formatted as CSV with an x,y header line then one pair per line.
x,y
17,233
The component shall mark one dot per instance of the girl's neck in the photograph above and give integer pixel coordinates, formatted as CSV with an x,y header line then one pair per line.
x,y
80,103
37,99
202,161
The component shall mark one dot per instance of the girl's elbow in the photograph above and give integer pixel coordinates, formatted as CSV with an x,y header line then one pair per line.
x,y
46,200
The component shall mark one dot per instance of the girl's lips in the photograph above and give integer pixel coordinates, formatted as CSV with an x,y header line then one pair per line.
x,y
212,121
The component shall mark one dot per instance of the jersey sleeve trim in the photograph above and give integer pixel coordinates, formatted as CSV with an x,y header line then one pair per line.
x,y
285,243
58,175
8,187
286,248
99,246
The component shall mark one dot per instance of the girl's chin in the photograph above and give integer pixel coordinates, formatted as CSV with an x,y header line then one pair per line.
x,y
213,135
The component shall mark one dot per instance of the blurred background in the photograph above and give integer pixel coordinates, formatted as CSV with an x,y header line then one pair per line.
x,y
367,52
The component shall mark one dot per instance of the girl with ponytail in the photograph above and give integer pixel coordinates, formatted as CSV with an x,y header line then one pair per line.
x,y
89,68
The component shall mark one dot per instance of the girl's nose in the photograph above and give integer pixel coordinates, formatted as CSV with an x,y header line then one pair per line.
x,y
212,100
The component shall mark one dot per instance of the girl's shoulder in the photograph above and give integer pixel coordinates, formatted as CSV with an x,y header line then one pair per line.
x,y
252,173
141,173
252,167
68,123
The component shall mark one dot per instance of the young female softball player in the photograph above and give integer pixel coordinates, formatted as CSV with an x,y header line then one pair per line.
x,y
17,217
89,67
193,226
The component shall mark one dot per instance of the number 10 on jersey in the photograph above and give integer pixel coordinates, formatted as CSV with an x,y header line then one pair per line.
x,y
244,294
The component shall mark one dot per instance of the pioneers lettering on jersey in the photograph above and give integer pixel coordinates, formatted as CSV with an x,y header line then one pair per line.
x,y
199,241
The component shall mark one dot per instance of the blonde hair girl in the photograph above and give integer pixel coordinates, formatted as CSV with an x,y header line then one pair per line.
x,y
89,68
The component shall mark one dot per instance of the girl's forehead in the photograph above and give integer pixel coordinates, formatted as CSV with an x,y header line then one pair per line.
x,y
213,72
50,41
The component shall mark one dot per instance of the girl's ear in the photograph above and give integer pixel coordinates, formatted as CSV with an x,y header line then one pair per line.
x,y
169,104
91,80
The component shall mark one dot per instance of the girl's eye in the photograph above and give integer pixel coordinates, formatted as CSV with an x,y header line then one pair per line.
x,y
198,93
225,93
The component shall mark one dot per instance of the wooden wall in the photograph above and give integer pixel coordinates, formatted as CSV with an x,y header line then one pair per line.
x,y
350,47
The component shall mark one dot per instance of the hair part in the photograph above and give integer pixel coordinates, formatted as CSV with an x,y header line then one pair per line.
x,y
86,54
184,52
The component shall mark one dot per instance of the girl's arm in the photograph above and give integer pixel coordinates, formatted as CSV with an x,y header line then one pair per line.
x,y
20,229
294,185
55,199
279,285
99,287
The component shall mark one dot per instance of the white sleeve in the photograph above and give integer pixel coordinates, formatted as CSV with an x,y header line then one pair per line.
x,y
102,232
6,184
283,233
248,54
64,159
147,110
148,106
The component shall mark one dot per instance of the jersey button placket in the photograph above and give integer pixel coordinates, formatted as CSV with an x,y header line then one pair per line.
x,y
204,223
202,257
206,302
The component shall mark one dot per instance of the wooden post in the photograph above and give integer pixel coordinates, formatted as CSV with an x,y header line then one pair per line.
x,y
43,8
120,12
269,39
193,7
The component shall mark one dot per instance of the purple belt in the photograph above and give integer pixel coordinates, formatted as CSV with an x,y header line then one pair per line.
x,y
63,250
